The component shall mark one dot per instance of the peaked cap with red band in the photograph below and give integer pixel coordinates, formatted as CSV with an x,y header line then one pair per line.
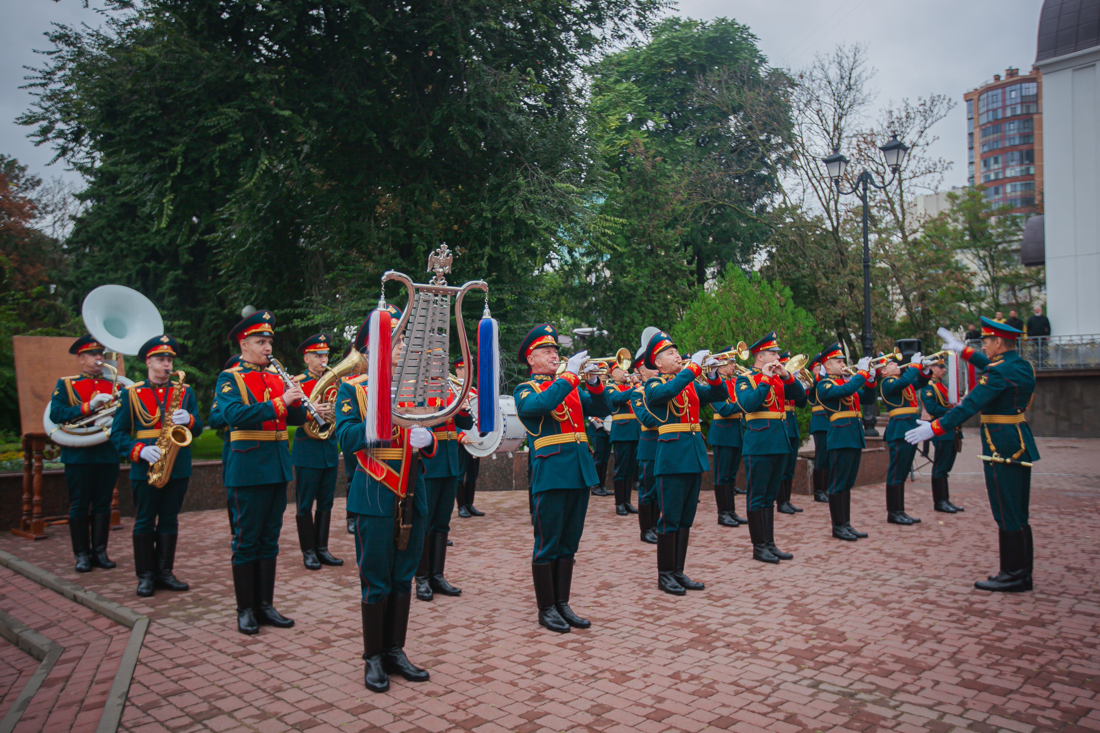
x,y
658,343
1000,330
318,343
770,342
364,330
85,343
260,323
164,344
541,335
833,351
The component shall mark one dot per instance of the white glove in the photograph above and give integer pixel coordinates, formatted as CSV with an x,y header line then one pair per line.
x,y
712,365
590,372
950,342
871,374
99,400
150,454
919,434
699,356
916,358
575,362
864,363
181,417
420,437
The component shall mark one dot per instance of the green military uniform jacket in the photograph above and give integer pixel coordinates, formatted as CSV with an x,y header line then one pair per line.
x,y
69,401
1002,395
840,398
307,452
764,406
934,399
138,423
624,423
447,460
674,400
726,427
647,425
250,400
382,467
553,412
899,394
819,419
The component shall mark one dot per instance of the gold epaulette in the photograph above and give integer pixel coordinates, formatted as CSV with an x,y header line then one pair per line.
x,y
301,378
357,379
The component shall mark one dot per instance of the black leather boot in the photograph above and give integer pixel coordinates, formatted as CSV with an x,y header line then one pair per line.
x,y
423,570
666,564
166,561
471,491
783,501
939,499
266,615
947,494
306,538
78,534
846,504
244,587
1015,577
1029,556
543,575
563,585
374,673
820,494
901,505
229,509
731,495
436,580
836,513
321,522
769,520
759,534
395,627
628,489
787,493
620,499
101,530
721,500
683,537
647,519
895,514
143,563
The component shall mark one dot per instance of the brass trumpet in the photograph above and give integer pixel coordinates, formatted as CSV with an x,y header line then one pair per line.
x,y
880,361
622,360
741,351
930,358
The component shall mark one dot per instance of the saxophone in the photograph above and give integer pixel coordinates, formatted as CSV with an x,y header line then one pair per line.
x,y
171,439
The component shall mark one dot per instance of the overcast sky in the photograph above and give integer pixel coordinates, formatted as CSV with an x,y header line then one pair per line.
x,y
919,47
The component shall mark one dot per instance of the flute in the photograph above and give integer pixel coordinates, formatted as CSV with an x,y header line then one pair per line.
x,y
289,381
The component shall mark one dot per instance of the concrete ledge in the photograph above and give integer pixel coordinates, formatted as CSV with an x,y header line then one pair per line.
x,y
137,623
44,650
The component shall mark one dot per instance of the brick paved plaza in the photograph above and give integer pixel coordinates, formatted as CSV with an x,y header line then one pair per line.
x,y
886,633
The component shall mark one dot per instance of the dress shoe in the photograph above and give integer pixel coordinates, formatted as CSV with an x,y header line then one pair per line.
x,y
474,511
464,512
620,509
630,508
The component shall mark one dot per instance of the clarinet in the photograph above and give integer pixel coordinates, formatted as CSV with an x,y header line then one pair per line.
x,y
289,381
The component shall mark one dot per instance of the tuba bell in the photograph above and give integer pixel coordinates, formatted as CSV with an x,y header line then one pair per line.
x,y
324,392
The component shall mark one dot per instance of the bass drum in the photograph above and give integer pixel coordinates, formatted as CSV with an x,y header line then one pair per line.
x,y
508,436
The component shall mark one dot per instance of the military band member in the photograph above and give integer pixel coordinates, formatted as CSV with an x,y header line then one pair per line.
x,y
647,453
624,440
761,394
1002,396
794,396
442,472
383,472
725,437
934,399
553,411
839,394
599,440
470,465
141,415
257,406
819,430
674,398
91,472
316,463
898,388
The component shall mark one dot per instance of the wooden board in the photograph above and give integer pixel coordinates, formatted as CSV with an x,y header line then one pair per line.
x,y
39,362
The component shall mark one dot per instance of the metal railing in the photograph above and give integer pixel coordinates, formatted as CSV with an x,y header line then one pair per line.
x,y
1058,352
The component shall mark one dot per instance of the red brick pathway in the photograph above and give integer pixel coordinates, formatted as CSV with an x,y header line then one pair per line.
x,y
16,668
886,633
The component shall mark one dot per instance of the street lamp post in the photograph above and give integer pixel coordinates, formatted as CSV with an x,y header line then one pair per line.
x,y
894,153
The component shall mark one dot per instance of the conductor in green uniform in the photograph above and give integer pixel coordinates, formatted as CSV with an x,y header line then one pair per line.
x,y
553,411
1002,396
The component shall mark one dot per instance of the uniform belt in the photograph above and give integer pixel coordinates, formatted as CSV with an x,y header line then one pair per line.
x,y
147,434
648,430
766,416
559,439
817,408
903,411
679,427
625,416
842,415
727,417
1004,419
446,435
387,454
258,435
788,408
